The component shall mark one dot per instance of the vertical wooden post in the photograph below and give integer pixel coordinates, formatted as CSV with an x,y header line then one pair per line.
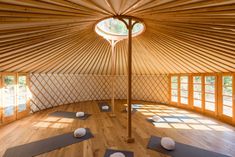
x,y
129,75
113,77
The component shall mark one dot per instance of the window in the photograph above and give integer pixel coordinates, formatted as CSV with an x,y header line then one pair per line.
x,y
9,92
197,91
22,94
174,88
114,29
227,94
210,93
14,96
184,89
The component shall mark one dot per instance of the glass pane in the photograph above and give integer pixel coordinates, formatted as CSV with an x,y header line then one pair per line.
x,y
210,97
184,100
210,79
197,87
184,79
228,101
227,80
197,79
227,91
174,92
22,93
174,85
210,106
9,95
210,88
227,111
197,103
174,79
197,95
184,86
184,93
174,98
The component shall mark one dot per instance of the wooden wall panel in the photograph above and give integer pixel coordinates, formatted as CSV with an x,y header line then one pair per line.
x,y
49,90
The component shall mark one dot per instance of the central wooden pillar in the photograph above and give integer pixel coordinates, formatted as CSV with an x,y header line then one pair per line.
x,y
113,67
129,139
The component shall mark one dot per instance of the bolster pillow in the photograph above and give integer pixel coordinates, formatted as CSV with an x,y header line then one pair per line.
x,y
105,107
80,114
117,154
80,132
156,118
168,143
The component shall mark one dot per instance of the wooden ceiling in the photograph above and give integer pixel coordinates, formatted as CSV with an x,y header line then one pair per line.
x,y
57,36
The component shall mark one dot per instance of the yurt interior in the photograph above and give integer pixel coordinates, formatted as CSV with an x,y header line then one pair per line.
x,y
117,78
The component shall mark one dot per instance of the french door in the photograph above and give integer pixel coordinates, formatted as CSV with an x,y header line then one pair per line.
x,y
22,107
8,97
15,103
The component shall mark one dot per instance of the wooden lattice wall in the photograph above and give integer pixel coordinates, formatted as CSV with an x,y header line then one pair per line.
x,y
49,90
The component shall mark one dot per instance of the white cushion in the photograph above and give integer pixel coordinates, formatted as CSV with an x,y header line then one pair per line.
x,y
80,132
117,154
168,143
156,118
127,109
105,107
80,114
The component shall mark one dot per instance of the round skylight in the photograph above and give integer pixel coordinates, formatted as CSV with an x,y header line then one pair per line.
x,y
115,29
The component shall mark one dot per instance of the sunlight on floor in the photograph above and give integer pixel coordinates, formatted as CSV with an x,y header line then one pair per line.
x,y
180,119
53,122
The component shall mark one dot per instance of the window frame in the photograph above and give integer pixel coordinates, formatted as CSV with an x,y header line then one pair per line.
x,y
179,90
25,112
173,102
16,115
8,119
200,109
212,113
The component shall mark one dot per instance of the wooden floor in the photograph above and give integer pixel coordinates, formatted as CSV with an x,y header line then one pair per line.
x,y
110,132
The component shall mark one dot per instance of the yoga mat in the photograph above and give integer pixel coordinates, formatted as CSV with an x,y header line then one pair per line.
x,y
111,151
66,114
152,122
181,150
133,111
104,104
45,145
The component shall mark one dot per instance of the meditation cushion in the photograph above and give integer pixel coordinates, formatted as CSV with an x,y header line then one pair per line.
x,y
168,143
105,107
80,132
80,114
117,154
156,118
127,109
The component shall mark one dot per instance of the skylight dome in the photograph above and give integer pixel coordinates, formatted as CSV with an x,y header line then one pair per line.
x,y
115,29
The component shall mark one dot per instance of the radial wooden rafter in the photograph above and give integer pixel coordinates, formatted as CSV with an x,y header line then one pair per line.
x,y
55,36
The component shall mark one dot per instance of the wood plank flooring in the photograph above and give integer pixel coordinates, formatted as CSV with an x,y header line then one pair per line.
x,y
195,130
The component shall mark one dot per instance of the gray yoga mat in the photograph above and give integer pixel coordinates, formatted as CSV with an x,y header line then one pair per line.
x,y
45,145
181,150
150,120
133,111
111,151
66,114
104,104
